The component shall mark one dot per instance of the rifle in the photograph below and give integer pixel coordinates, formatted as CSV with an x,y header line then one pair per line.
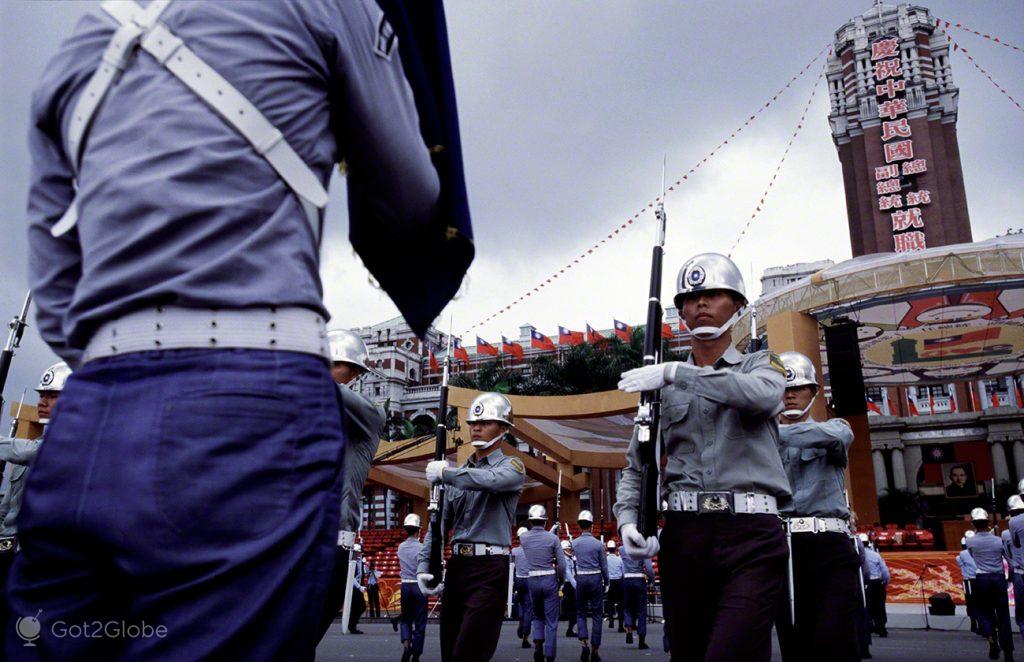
x,y
648,415
436,506
14,427
755,343
17,326
558,501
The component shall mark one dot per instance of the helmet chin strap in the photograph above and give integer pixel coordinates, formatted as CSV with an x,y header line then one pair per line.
x,y
713,332
794,414
44,421
481,445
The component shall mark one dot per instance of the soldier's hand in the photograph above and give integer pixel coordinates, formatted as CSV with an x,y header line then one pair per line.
x,y
637,546
554,528
435,470
423,579
647,378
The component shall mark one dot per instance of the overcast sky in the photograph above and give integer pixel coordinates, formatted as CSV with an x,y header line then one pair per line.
x,y
566,110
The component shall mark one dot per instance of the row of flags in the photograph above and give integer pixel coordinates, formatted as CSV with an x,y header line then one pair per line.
x,y
915,406
538,340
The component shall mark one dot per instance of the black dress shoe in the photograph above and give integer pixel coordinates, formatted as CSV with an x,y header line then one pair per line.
x,y
594,657
407,655
525,644
394,624
643,644
571,632
993,649
622,628
629,637
356,631
585,654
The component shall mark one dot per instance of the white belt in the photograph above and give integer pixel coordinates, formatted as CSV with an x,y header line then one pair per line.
x,y
410,581
874,577
633,575
346,539
541,573
817,525
288,329
749,503
588,572
478,549
1018,571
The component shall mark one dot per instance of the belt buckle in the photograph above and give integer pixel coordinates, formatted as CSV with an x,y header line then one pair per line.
x,y
7,545
714,502
465,549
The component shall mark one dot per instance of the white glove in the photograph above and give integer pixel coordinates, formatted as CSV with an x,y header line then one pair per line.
x,y
648,377
554,528
435,470
423,578
636,545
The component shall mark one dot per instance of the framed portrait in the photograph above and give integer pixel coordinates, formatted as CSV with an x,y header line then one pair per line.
x,y
958,480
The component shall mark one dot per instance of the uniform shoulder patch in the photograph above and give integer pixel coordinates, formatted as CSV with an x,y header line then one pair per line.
x,y
775,362
385,39
518,465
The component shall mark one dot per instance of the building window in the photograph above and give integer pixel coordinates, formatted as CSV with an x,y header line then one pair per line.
x,y
934,391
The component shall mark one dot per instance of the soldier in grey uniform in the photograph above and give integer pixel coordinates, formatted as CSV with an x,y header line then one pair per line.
x,y
968,572
614,594
19,453
521,591
724,480
991,602
546,563
1015,505
591,578
568,589
827,594
637,575
364,423
413,618
480,500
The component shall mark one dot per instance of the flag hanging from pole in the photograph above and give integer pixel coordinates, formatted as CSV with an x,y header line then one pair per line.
x,y
484,347
567,337
623,331
515,349
593,335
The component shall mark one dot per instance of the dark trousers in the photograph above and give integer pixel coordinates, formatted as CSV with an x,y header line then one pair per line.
x,y
356,609
993,608
828,603
615,606
373,596
6,560
413,619
521,597
736,565
544,595
569,604
335,590
590,605
634,593
874,591
1018,606
473,607
194,490
969,601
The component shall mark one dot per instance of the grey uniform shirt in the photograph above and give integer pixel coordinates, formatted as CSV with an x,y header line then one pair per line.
x,y
614,567
814,455
590,554
968,568
1007,540
631,566
19,452
520,562
364,422
480,500
987,551
174,206
408,557
719,429
1016,529
543,551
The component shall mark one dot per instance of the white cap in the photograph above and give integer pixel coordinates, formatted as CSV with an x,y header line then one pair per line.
x,y
566,544
412,519
585,516
611,544
979,515
968,534
1015,503
537,513
521,531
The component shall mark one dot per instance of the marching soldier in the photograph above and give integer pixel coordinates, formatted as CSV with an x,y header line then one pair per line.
x,y
991,602
637,575
413,617
724,480
547,566
568,591
968,572
876,579
521,591
358,606
20,453
826,581
192,312
364,424
480,501
1015,504
614,606
591,578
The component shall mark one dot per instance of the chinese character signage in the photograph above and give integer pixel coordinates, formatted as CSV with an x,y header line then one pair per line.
x,y
896,174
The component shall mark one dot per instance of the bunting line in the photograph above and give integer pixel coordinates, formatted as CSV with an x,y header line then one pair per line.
x,y
799,126
617,232
977,66
941,22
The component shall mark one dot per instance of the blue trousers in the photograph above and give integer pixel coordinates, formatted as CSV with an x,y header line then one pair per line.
x,y
589,604
544,595
520,586
635,599
1018,599
193,492
993,608
413,622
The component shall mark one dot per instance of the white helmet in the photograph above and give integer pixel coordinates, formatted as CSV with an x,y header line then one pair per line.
x,y
1020,486
799,370
54,379
412,519
710,271
968,534
611,544
1015,503
537,513
490,407
348,347
566,545
585,516
357,547
863,537
979,515
521,531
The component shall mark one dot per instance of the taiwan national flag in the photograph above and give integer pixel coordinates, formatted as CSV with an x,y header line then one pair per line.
x,y
515,349
912,405
952,398
458,351
593,335
433,359
540,341
623,331
666,330
567,337
484,347
872,405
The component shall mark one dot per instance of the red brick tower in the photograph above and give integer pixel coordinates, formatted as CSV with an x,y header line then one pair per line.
x,y
893,120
